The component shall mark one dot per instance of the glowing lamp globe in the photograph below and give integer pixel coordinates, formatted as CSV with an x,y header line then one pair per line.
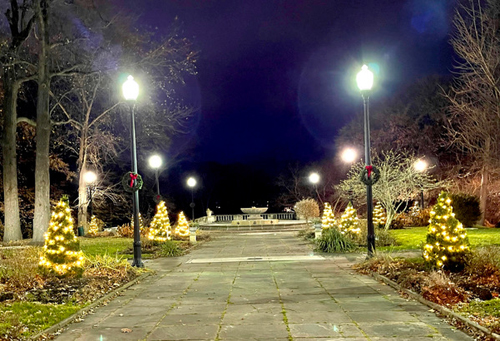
x,y
155,161
130,89
89,177
349,155
420,166
364,78
314,178
191,182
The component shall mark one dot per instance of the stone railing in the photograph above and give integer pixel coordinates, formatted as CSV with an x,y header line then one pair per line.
x,y
221,218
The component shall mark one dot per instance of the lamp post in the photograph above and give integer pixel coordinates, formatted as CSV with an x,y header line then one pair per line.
x,y
314,179
421,166
90,177
130,92
155,162
191,182
364,78
348,156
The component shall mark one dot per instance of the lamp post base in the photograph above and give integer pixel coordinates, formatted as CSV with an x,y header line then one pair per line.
x,y
137,262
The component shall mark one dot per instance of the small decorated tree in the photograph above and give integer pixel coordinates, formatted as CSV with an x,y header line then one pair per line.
x,y
328,219
447,245
182,228
307,208
415,209
159,229
379,216
141,222
93,227
61,252
349,222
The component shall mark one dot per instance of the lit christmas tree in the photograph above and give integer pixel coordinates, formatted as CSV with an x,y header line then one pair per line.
x,y
182,228
415,209
61,252
328,219
447,243
159,230
94,226
379,216
349,221
141,222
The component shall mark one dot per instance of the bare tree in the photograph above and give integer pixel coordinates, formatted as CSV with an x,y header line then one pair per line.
x,y
399,182
475,96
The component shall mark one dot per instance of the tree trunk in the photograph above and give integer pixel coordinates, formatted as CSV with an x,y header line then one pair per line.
x,y
390,213
42,175
12,225
483,193
82,201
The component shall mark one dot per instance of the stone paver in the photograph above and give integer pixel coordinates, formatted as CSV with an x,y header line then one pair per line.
x,y
260,287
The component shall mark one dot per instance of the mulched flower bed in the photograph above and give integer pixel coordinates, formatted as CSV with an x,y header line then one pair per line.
x,y
479,282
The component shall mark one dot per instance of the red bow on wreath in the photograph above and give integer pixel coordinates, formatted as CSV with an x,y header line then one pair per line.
x,y
369,170
133,176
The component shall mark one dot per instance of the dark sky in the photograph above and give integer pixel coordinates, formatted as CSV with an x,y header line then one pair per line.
x,y
276,78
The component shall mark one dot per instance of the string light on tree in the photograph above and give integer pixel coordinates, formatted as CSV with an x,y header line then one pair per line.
x,y
182,228
328,218
93,227
349,222
61,252
159,229
447,245
379,215
415,209
141,222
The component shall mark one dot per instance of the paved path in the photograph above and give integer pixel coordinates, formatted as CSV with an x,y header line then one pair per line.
x,y
260,287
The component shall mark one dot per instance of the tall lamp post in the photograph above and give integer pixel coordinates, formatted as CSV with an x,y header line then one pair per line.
x,y
155,162
130,92
191,182
90,177
314,179
348,156
364,78
421,166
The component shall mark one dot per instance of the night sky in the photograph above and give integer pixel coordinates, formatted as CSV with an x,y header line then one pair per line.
x,y
276,77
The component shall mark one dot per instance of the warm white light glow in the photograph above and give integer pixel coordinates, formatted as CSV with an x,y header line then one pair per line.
x,y
314,178
349,155
364,78
155,161
130,89
89,177
420,165
191,182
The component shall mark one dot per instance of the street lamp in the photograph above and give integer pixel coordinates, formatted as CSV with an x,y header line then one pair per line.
x,y
130,92
348,156
421,166
364,78
155,162
90,177
191,182
314,179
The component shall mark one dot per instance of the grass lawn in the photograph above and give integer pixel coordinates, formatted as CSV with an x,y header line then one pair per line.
x,y
111,246
412,238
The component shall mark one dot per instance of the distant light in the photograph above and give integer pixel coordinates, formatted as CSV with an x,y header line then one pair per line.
x,y
191,182
155,161
90,177
130,89
314,178
349,155
364,78
420,165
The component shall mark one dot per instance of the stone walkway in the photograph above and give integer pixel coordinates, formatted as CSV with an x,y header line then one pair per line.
x,y
260,286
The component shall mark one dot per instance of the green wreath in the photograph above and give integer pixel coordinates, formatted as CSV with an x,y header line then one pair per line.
x,y
369,175
132,182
